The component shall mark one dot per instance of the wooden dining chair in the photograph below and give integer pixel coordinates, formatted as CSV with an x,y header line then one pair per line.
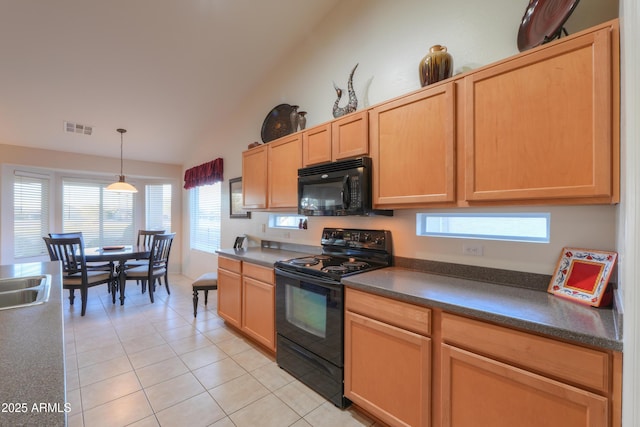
x,y
157,266
95,266
144,239
76,275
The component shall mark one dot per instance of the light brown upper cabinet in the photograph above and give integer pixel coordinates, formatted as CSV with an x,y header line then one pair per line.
x,y
541,125
285,158
316,145
254,178
413,149
350,136
340,139
270,174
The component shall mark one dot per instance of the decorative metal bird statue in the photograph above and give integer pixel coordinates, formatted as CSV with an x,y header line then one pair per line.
x,y
353,101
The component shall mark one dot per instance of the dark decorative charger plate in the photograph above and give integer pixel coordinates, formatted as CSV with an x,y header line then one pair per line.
x,y
543,21
277,123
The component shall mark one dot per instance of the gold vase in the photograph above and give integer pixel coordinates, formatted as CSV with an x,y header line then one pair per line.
x,y
435,66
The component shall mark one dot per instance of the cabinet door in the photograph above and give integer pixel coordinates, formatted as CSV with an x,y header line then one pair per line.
x,y
230,296
258,311
285,158
413,149
540,126
254,178
478,391
350,136
316,145
387,371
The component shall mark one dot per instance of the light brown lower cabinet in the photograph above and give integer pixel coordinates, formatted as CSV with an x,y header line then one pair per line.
x,y
387,367
246,299
410,365
479,391
230,290
258,304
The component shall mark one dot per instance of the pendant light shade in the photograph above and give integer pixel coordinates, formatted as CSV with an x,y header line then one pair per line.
x,y
121,185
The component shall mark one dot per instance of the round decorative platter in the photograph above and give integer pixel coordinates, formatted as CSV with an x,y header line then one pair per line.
x,y
543,21
277,123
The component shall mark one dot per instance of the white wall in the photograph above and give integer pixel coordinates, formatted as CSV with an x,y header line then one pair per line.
x,y
388,39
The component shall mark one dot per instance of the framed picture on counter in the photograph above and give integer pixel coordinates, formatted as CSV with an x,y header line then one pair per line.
x,y
235,199
583,275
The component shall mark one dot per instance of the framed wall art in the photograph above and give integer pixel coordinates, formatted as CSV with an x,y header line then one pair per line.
x,y
583,275
235,199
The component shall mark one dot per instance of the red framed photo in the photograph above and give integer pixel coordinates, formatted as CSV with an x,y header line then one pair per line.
x,y
583,275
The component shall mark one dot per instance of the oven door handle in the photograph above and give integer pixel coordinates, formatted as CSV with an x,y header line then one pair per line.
x,y
307,277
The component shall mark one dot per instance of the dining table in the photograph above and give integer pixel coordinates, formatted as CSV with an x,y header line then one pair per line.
x,y
118,254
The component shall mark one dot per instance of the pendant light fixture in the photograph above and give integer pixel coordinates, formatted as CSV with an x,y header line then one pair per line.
x,y
121,185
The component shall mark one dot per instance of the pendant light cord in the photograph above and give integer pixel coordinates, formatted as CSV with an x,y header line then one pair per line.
x,y
122,131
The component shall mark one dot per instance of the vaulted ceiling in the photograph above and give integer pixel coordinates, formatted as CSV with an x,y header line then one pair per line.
x,y
162,69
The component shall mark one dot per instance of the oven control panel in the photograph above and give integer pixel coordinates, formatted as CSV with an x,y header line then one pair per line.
x,y
357,238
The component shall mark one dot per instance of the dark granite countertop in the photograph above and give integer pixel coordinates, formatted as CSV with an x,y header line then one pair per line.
x,y
262,256
527,309
32,373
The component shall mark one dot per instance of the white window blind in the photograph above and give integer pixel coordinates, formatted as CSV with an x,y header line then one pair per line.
x,y
158,207
205,217
30,215
103,217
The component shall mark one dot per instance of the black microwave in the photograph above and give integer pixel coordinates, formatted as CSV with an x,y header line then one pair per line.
x,y
338,188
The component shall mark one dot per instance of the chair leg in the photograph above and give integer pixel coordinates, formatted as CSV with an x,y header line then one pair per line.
x,y
113,285
166,284
206,296
151,285
84,296
195,303
71,296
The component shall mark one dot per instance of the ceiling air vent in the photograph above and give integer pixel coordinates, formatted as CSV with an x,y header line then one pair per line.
x,y
77,128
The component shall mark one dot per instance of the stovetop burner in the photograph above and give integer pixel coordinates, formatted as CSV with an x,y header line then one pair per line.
x,y
305,261
335,269
345,252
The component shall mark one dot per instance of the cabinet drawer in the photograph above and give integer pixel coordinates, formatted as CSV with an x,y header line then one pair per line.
x,y
230,264
258,272
573,363
397,313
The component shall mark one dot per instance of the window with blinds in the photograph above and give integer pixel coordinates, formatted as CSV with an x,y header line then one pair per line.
x,y
158,207
104,217
30,214
205,208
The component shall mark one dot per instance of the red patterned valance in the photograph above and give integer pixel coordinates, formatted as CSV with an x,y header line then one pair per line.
x,y
205,174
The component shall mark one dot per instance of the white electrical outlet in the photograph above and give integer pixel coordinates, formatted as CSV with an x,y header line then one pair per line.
x,y
472,249
287,235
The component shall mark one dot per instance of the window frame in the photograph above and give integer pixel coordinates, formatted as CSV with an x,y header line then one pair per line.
x,y
422,219
197,240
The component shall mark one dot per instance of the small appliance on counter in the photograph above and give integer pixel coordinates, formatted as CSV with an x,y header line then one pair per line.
x,y
310,306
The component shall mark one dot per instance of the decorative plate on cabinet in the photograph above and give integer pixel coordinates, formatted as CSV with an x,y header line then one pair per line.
x,y
277,123
543,21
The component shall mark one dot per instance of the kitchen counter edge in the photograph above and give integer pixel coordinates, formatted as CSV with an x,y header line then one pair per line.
x,y
266,257
525,309
32,365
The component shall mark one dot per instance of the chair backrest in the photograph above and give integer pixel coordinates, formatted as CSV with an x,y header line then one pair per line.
x,y
146,236
160,249
70,251
65,235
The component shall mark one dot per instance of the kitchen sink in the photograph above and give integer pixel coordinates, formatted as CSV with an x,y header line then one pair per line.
x,y
24,291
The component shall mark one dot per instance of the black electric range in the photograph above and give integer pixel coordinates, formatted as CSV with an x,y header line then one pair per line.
x,y
310,306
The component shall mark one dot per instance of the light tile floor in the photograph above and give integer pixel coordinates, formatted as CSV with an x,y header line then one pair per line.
x,y
146,364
